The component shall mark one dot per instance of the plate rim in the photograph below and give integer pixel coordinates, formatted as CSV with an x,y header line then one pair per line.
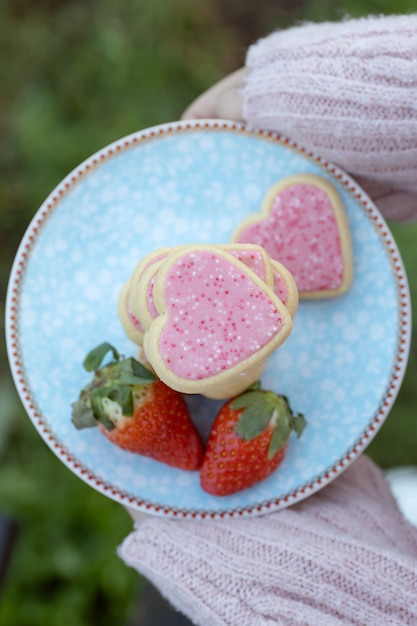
x,y
17,365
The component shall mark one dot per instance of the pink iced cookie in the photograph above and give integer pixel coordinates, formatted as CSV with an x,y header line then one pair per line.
x,y
285,287
217,323
126,307
303,225
131,325
144,294
144,276
252,256
144,264
255,258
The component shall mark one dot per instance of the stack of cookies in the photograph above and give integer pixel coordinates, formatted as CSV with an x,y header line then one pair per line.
x,y
206,317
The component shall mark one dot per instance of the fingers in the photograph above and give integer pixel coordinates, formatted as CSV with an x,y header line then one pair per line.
x,y
137,516
223,100
229,105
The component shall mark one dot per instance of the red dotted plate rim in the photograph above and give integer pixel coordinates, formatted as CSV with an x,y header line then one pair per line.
x,y
18,369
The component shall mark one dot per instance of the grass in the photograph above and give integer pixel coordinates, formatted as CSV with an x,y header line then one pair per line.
x,y
65,563
77,75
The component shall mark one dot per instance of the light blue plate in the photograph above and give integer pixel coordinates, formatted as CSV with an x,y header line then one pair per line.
x,y
190,183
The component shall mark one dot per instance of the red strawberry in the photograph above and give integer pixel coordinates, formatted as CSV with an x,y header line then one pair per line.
x,y
248,441
137,412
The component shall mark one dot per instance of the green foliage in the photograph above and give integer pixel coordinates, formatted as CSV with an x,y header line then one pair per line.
x,y
65,561
330,10
76,75
396,442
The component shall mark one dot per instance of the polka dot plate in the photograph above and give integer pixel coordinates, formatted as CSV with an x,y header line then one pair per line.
x,y
193,182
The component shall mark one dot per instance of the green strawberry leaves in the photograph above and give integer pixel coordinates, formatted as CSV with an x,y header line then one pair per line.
x,y
263,409
279,437
255,418
112,382
95,357
82,415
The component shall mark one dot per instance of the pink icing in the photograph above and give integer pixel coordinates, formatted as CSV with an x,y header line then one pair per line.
x,y
252,259
149,293
302,233
217,316
136,323
151,305
280,287
154,260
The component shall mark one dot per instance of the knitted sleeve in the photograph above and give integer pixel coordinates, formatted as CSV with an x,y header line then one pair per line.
x,y
348,91
344,556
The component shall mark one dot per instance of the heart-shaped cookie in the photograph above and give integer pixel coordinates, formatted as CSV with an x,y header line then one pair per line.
x,y
252,256
218,321
144,294
137,293
126,306
131,325
141,268
303,225
285,287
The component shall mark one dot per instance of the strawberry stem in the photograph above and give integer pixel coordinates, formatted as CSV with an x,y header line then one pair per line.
x,y
95,357
114,381
264,409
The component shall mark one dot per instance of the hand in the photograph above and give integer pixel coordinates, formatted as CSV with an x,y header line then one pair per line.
x,y
223,100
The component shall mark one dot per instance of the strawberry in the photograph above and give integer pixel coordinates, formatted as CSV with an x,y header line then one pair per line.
x,y
248,441
137,412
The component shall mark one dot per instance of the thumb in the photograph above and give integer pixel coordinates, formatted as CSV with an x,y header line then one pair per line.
x,y
223,100
229,105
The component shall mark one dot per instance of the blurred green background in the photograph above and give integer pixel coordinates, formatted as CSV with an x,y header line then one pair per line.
x,y
76,75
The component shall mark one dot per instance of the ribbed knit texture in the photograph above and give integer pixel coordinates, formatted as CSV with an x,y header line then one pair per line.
x,y
344,556
348,91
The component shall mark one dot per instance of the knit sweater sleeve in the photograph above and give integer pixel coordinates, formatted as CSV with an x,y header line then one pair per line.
x,y
348,91
344,556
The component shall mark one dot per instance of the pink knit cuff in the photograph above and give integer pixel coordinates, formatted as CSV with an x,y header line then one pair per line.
x,y
346,90
344,556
